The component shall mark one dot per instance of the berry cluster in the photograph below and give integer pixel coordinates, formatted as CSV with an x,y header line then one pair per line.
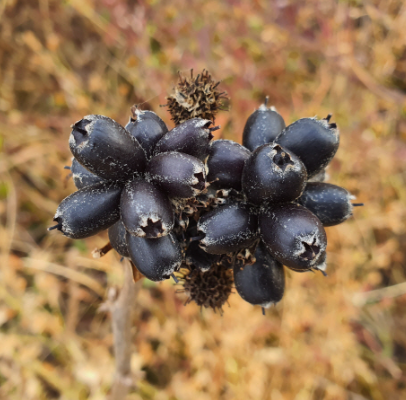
x,y
213,212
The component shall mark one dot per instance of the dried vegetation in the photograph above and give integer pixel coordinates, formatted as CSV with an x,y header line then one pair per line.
x,y
329,338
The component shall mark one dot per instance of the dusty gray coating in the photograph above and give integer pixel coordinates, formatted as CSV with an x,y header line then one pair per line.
x,y
262,283
191,137
273,174
147,128
82,177
227,228
314,141
105,148
89,210
145,210
293,235
330,203
158,258
262,126
118,240
226,163
178,174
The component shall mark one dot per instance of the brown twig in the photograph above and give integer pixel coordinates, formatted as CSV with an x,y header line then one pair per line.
x,y
121,305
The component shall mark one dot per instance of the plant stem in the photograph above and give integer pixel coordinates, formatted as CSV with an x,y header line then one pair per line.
x,y
121,306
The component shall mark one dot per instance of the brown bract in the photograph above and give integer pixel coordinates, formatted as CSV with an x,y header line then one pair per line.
x,y
209,289
195,97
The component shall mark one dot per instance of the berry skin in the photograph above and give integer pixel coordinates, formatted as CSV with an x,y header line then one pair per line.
x,y
145,210
226,163
273,175
177,174
262,126
89,210
105,148
147,128
117,237
227,228
82,177
314,141
158,258
330,203
197,257
293,235
262,283
191,137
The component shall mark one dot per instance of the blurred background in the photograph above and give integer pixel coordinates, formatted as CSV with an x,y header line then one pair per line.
x,y
340,337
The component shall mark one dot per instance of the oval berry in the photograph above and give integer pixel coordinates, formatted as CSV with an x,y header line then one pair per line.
x,y
147,128
262,126
225,164
117,237
293,235
314,141
273,175
177,174
227,228
158,258
145,210
262,283
191,137
330,203
82,177
89,210
105,148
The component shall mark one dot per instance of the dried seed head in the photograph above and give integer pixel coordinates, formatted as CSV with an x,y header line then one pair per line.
x,y
195,97
209,289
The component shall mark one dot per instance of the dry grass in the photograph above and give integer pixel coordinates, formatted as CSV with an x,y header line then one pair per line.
x,y
62,60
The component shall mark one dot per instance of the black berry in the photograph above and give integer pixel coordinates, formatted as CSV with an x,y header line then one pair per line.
x,y
147,128
158,258
293,235
314,141
178,174
225,164
105,148
330,203
145,210
263,126
262,283
89,210
273,174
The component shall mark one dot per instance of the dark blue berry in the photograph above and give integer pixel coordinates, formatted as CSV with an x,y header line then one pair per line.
x,y
105,148
273,174
147,128
82,177
293,235
262,283
330,203
227,228
314,141
158,258
117,237
225,164
263,126
145,210
89,210
191,137
177,174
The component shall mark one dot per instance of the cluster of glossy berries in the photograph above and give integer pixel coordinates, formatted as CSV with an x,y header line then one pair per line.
x,y
215,213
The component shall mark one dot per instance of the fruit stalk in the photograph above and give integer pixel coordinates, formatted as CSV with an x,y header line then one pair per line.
x,y
121,306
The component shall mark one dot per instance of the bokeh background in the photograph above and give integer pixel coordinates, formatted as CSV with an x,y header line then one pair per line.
x,y
340,337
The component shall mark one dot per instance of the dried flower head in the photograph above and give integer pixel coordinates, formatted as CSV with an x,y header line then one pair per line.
x,y
195,97
208,289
